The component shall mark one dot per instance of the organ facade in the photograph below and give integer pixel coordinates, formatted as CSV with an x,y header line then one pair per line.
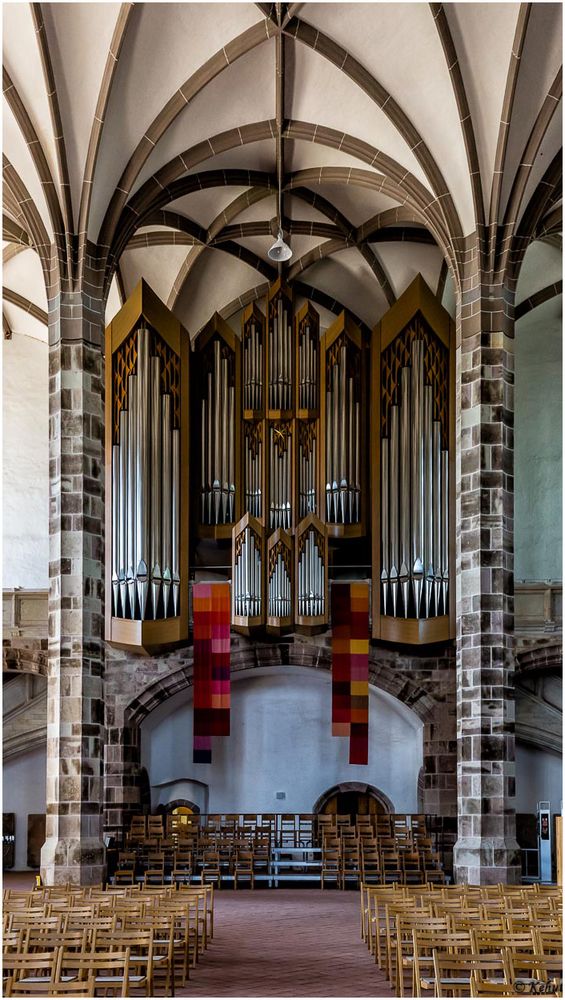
x,y
307,450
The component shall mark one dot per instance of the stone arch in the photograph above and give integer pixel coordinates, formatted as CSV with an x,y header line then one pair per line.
x,y
175,803
354,786
402,677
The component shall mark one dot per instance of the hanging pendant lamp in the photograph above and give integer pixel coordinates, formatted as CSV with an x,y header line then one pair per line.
x,y
280,250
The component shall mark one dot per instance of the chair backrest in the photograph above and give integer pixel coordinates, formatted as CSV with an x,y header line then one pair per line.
x,y
458,968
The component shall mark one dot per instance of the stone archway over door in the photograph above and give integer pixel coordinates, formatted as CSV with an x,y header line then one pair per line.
x,y
351,792
425,685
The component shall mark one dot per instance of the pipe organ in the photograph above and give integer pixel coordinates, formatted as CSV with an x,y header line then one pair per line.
x,y
280,598
146,455
279,351
412,425
282,447
312,573
280,475
218,389
248,561
342,388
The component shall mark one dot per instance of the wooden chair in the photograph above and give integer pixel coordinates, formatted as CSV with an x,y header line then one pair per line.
x,y
406,923
34,971
111,970
164,944
452,973
370,865
141,952
331,867
411,866
424,943
394,907
211,870
484,988
390,867
244,868
153,876
350,863
526,967
124,876
377,900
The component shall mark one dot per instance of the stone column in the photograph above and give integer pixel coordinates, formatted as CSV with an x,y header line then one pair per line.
x,y
74,850
121,780
486,850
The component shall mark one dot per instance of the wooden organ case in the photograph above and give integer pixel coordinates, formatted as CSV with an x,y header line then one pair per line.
x,y
147,397
302,446
412,462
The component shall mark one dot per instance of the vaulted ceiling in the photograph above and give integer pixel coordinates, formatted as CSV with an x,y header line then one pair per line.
x,y
160,131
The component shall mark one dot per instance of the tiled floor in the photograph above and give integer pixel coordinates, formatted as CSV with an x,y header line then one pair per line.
x,y
281,943
287,943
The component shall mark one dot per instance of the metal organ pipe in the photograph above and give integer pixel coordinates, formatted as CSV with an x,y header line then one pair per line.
x,y
385,522
175,522
156,484
122,611
145,495
394,497
404,463
428,500
131,451
414,501
166,488
115,525
417,473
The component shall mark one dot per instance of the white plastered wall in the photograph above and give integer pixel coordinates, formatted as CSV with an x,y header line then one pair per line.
x,y
23,780
538,465
25,477
280,742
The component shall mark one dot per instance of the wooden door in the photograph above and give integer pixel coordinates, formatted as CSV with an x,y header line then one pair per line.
x,y
8,840
35,838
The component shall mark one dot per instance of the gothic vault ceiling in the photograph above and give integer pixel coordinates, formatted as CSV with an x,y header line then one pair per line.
x,y
394,127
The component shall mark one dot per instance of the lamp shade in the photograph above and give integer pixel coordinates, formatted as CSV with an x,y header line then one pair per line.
x,y
280,250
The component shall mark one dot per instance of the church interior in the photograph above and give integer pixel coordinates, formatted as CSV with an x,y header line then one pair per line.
x,y
282,499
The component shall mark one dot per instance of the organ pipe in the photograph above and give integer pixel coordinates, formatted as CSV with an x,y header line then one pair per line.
x,y
280,476
311,592
247,571
414,501
279,586
217,436
146,496
343,487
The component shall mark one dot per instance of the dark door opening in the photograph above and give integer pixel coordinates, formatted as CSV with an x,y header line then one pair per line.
x,y
353,804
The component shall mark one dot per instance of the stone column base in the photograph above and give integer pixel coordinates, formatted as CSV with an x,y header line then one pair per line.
x,y
487,861
79,862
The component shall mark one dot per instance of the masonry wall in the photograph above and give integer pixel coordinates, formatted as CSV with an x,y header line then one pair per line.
x,y
280,741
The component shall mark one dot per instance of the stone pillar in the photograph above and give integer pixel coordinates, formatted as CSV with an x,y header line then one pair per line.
x,y
486,850
74,850
121,780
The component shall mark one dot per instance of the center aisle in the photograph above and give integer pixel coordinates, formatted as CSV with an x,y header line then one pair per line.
x,y
285,942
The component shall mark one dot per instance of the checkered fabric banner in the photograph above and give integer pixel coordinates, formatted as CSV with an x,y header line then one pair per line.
x,y
211,625
350,667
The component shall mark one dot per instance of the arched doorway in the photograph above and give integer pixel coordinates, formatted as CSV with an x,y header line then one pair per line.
x,y
353,798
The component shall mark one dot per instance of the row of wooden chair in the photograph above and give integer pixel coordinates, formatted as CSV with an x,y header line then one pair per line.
x,y
159,933
463,940
284,829
351,861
